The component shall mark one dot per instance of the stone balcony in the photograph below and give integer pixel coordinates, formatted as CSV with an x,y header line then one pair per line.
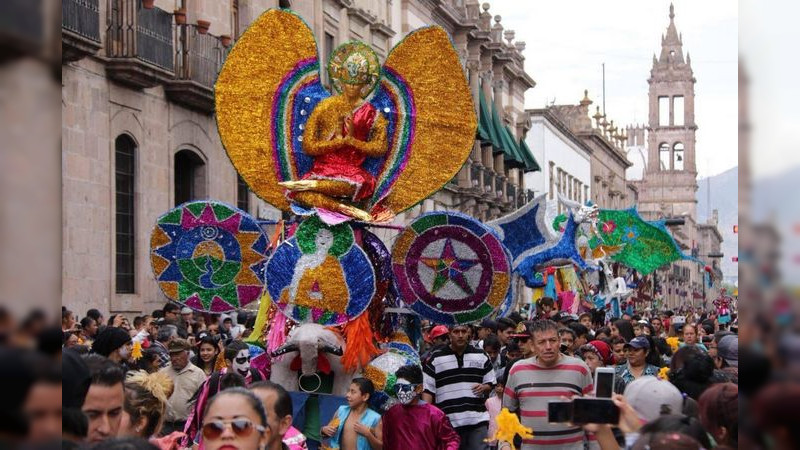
x,y
198,59
80,29
140,45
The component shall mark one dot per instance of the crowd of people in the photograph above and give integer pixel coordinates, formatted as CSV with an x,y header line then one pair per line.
x,y
180,379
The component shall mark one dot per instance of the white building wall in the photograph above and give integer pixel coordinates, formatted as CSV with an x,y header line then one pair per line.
x,y
548,144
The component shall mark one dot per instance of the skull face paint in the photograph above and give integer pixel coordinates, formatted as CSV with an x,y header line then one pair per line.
x,y
406,391
241,363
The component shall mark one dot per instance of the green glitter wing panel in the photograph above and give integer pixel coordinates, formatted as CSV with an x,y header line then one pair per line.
x,y
645,246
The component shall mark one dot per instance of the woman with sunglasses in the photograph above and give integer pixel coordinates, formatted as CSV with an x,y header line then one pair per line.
x,y
235,419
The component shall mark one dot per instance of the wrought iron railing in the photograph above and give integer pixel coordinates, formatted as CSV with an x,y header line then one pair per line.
x,y
136,32
475,175
81,17
488,182
199,56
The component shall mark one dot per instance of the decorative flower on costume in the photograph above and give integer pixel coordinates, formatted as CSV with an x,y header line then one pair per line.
x,y
508,426
609,227
630,235
386,139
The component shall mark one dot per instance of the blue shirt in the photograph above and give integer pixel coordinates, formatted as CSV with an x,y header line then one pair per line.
x,y
370,418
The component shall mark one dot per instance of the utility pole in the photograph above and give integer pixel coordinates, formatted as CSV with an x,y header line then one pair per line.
x,y
604,88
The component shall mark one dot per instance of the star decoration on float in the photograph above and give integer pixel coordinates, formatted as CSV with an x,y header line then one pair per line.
x,y
449,267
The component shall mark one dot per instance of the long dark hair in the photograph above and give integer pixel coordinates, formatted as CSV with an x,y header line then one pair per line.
x,y
625,329
212,341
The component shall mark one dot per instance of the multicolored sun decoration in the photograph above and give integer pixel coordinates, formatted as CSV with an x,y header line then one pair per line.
x,y
450,268
208,256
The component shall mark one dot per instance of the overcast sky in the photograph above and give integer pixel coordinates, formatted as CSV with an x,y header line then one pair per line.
x,y
568,41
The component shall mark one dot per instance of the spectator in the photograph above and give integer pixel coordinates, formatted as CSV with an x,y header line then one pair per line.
x,y
637,329
690,337
618,347
491,346
602,334
719,413
567,338
582,335
187,379
546,377
597,354
691,370
622,328
70,339
217,382
486,328
187,317
150,361
105,398
166,334
88,331
672,428
439,336
652,398
116,320
207,353
237,358
44,414
636,365
522,339
414,424
355,426
146,397
505,327
115,344
545,308
728,352
235,418
459,377
75,385
658,327
67,320
171,313
95,315
585,319
278,406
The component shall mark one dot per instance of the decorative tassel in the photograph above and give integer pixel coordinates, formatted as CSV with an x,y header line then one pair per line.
x,y
508,426
262,320
360,349
220,363
136,353
277,334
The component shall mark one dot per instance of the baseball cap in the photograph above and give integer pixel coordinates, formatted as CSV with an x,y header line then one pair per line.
x,y
488,323
728,349
179,345
638,342
438,331
186,310
651,397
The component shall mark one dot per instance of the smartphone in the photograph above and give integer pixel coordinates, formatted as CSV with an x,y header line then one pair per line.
x,y
559,411
594,410
604,378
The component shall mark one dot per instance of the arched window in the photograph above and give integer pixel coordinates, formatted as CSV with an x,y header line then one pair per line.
x,y
190,177
663,156
242,194
124,169
678,155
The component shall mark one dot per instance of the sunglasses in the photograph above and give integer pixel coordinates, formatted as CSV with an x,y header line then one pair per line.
x,y
241,428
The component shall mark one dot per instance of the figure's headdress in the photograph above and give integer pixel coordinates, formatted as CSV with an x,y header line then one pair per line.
x,y
354,63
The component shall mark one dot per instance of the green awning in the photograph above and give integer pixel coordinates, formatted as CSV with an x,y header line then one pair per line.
x,y
531,164
510,154
486,130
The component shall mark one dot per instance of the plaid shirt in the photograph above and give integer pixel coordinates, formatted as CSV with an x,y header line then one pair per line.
x,y
163,354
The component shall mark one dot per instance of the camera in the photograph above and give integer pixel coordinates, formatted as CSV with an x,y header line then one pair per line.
x,y
581,410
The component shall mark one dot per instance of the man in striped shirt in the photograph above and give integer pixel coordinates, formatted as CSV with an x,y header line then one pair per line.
x,y
548,376
457,379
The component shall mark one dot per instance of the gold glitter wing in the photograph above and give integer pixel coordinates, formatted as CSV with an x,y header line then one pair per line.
x,y
272,65
442,112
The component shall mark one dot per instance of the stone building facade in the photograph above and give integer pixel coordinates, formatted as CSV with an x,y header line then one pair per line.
x,y
668,188
139,134
604,141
